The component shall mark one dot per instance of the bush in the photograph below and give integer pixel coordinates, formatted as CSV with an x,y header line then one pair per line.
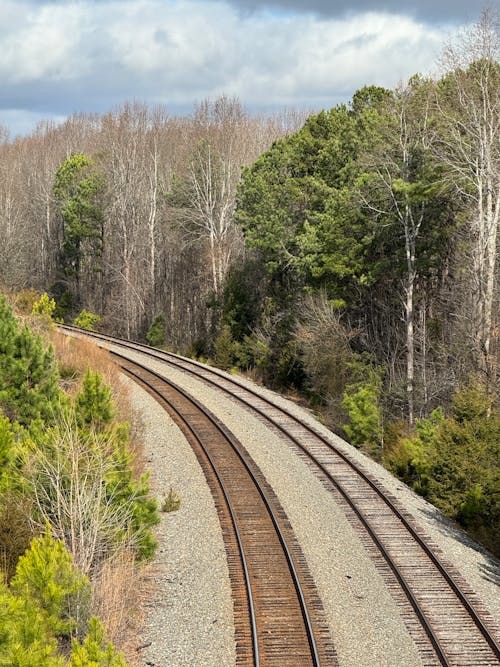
x,y
156,332
87,320
95,651
94,405
360,401
453,461
226,349
44,306
171,502
47,576
28,372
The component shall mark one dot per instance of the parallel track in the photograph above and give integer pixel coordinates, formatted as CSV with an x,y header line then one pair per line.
x,y
441,613
278,617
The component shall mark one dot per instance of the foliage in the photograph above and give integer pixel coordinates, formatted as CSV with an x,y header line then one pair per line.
x,y
47,576
171,502
94,651
156,332
125,490
25,638
28,373
78,190
94,405
226,349
87,320
453,461
39,611
24,300
361,401
44,306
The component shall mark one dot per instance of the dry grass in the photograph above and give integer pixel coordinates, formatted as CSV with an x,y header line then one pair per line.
x,y
119,599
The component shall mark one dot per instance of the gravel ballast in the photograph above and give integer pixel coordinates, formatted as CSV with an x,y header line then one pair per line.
x,y
189,620
365,621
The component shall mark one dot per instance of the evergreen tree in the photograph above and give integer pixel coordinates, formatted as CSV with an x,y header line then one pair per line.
x,y
28,372
94,405
94,651
47,576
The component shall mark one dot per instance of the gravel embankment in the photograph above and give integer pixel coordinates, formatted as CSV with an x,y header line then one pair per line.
x,y
365,621
190,616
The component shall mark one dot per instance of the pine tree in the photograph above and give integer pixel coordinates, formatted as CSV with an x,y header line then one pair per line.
x,y
95,651
94,405
28,372
47,576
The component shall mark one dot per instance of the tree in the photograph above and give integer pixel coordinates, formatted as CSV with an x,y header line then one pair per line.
x,y
398,188
94,651
467,144
46,574
28,372
78,190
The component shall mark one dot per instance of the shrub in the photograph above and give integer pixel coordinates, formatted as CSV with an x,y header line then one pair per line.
x,y
28,372
44,306
171,502
226,349
95,651
453,461
25,638
360,401
47,576
94,405
87,320
156,332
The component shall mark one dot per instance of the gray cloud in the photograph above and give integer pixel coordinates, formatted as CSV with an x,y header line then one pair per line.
x,y
449,11
57,58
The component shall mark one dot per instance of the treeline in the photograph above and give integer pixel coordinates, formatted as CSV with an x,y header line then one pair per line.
x,y
130,214
353,259
75,515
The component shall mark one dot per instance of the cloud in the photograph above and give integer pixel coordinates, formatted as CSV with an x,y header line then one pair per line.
x,y
429,10
63,57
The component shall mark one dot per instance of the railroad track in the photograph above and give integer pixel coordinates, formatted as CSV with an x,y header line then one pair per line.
x,y
278,616
446,621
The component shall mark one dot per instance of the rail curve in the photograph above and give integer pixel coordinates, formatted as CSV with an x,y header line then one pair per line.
x,y
452,629
284,619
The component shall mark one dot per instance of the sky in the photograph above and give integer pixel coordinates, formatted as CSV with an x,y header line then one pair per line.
x,y
59,57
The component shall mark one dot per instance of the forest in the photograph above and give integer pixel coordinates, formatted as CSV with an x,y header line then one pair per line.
x,y
347,257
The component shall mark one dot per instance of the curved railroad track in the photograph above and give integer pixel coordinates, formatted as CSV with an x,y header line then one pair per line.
x,y
278,616
447,622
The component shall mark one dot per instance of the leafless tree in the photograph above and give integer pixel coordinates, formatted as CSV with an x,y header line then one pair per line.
x,y
467,144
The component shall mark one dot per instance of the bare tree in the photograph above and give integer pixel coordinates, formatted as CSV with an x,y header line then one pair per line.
x,y
397,189
69,493
467,144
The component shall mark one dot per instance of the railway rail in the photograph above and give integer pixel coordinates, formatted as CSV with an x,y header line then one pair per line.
x,y
447,622
278,616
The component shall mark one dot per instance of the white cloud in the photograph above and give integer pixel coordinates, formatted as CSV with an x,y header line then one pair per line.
x,y
89,54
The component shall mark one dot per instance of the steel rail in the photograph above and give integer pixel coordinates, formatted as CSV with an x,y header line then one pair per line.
x,y
175,360
230,439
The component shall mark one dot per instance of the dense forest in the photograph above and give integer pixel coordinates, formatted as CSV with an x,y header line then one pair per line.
x,y
350,256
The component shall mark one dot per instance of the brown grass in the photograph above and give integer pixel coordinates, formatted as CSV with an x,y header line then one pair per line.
x,y
119,600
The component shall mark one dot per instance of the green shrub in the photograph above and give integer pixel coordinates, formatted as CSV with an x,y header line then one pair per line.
x,y
44,306
87,320
453,461
94,405
95,651
46,575
25,638
360,400
226,349
28,372
156,332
